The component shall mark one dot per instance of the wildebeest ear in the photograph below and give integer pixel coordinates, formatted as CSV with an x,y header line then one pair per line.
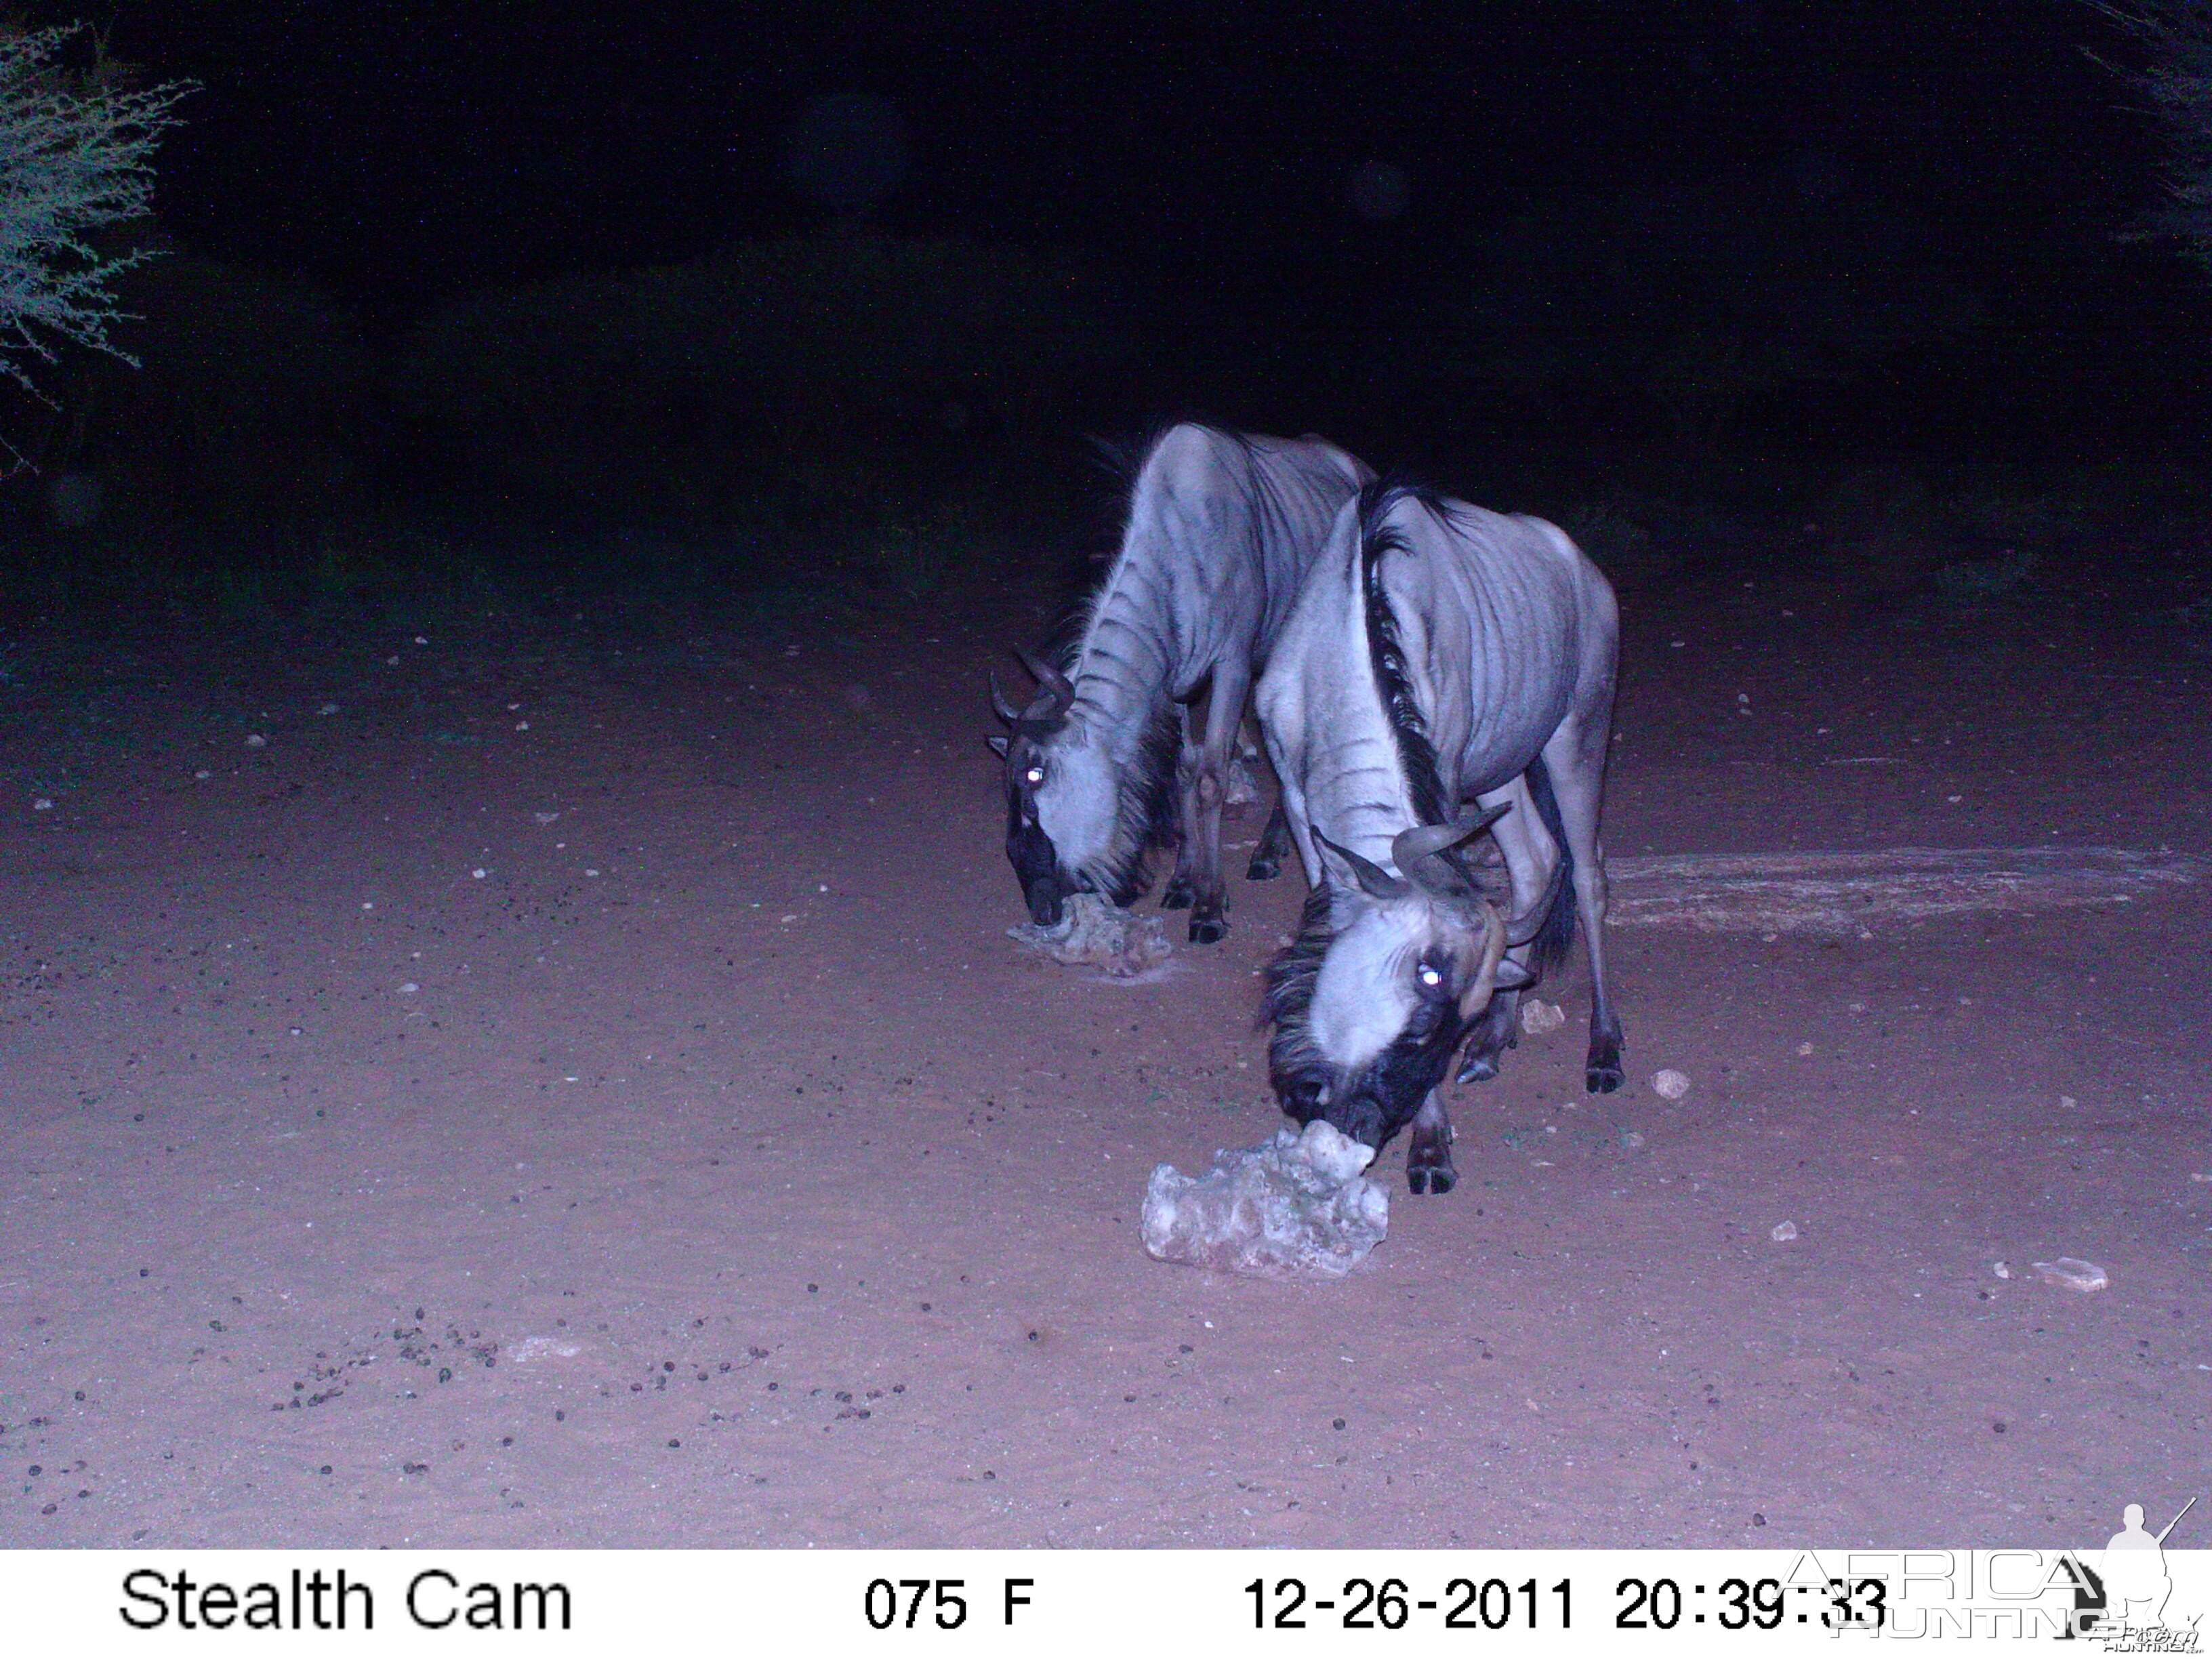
x,y
1512,976
1376,882
998,744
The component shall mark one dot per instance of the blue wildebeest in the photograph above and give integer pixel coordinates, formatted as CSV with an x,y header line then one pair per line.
x,y
1438,654
1221,529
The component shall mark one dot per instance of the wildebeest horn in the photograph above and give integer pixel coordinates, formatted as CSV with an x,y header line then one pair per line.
x,y
1376,882
1410,848
1055,682
1006,711
1520,929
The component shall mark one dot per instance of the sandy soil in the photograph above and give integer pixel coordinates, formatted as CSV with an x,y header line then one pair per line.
x,y
571,1095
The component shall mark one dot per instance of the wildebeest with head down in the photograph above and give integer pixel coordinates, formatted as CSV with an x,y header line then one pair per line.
x,y
1438,654
1221,529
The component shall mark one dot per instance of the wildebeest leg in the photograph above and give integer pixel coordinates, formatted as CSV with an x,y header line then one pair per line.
x,y
1575,758
1274,846
1530,853
1428,1153
1233,683
1177,894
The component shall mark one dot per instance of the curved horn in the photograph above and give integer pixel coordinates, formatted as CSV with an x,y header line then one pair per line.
x,y
1373,878
1055,683
1006,711
1520,929
1411,849
1425,839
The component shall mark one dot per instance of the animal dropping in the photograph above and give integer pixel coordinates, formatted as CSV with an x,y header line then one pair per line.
x,y
1298,1206
2070,1273
1095,933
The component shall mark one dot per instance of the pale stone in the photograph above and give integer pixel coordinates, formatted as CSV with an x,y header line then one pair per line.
x,y
1093,933
1297,1206
2070,1273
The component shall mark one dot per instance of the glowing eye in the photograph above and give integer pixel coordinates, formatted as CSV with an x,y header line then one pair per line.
x,y
1035,775
1430,976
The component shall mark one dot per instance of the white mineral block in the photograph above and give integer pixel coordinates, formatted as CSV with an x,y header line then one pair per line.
x,y
1092,932
1296,1205
1240,787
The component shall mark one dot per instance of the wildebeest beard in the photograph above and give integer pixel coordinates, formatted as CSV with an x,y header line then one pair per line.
x,y
1374,1102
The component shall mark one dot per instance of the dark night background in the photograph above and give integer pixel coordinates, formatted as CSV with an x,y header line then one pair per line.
x,y
899,261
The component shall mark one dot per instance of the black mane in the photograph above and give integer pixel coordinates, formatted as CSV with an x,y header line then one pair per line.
x,y
1294,1069
1386,656
1145,816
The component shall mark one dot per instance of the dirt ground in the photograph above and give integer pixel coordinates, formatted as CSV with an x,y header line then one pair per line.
x,y
515,1087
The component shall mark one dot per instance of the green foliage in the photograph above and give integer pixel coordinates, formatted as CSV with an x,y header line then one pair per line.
x,y
253,399
1690,306
797,364
2177,83
76,150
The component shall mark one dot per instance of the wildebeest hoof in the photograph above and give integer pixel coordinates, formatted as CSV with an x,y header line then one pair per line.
x,y
1207,930
1263,869
1437,1178
1479,1068
1603,1078
1177,896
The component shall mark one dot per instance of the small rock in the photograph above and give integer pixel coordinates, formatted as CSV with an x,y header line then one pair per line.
x,y
257,741
535,1350
328,708
42,805
2068,1102
409,988
1631,1138
1783,1232
546,817
1538,1016
1670,1085
1804,1051
2201,1177
2070,1273
477,873
2002,1269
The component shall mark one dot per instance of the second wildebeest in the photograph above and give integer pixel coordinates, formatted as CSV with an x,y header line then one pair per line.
x,y
1221,529
1438,655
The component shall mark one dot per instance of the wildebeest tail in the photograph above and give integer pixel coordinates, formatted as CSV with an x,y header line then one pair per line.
x,y
1555,938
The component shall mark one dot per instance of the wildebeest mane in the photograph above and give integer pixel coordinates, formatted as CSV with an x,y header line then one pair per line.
x,y
1144,815
1295,1067
1386,654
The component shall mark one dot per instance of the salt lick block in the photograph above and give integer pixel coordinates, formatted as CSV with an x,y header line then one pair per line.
x,y
1298,1206
1094,932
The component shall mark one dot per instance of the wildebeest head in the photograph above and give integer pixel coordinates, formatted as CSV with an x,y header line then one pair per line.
x,y
1056,779
1388,974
